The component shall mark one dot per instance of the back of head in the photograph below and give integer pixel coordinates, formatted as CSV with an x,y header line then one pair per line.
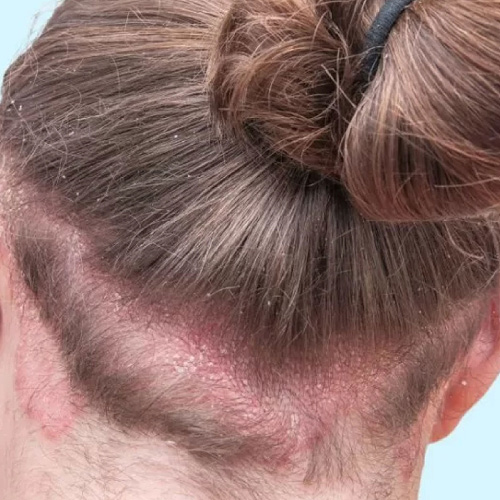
x,y
206,194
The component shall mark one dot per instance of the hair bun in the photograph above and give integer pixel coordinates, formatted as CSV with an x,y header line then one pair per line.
x,y
279,77
422,144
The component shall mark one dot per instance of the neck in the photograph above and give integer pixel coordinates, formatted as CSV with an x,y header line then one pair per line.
x,y
96,462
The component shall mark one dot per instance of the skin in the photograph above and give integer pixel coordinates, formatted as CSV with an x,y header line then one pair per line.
x,y
43,427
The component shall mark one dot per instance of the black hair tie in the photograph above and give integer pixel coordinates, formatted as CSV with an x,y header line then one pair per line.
x,y
377,36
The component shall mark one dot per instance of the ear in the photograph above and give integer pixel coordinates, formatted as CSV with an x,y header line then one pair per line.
x,y
473,379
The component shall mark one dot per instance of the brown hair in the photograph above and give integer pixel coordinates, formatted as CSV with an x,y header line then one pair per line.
x,y
221,166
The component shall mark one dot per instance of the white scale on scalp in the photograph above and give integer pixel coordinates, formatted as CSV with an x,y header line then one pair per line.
x,y
168,352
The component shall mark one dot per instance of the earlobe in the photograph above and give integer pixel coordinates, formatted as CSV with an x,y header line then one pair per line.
x,y
457,401
471,382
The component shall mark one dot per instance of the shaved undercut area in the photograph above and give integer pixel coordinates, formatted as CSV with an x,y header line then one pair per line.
x,y
180,372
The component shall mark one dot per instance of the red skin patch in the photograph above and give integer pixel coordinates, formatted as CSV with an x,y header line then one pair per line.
x,y
296,411
42,386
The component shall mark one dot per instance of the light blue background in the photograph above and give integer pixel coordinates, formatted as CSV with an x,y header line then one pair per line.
x,y
463,467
